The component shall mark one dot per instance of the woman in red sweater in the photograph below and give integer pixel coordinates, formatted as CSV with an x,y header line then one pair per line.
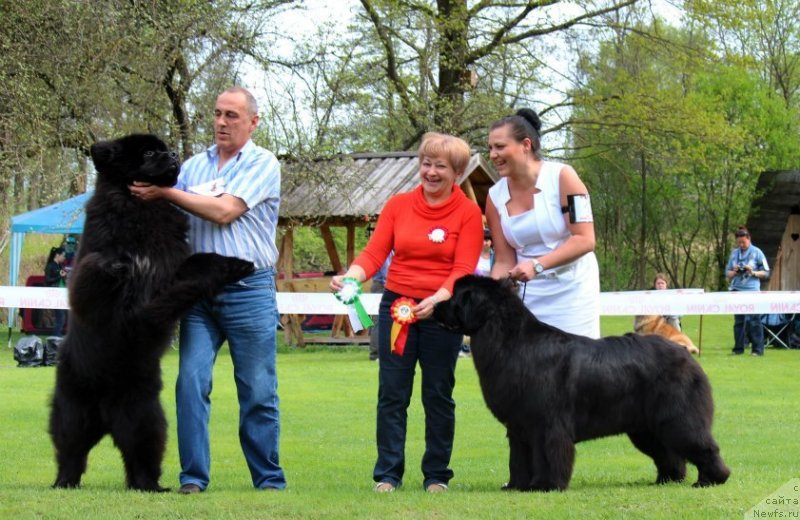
x,y
436,234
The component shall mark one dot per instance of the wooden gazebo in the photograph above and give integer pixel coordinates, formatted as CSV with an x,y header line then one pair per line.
x,y
350,191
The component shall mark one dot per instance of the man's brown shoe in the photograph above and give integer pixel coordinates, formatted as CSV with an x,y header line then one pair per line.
x,y
190,489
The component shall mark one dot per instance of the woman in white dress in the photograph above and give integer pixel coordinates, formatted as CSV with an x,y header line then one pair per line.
x,y
542,228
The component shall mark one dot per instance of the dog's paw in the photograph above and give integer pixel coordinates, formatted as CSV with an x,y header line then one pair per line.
x,y
200,265
216,267
667,478
236,269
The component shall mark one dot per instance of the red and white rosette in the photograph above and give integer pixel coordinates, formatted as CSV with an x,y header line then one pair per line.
x,y
402,317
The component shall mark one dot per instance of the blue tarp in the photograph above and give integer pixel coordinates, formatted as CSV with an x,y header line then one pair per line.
x,y
62,217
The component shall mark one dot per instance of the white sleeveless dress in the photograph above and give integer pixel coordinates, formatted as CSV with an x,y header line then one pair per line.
x,y
566,297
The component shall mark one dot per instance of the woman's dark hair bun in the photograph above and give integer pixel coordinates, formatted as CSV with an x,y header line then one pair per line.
x,y
532,117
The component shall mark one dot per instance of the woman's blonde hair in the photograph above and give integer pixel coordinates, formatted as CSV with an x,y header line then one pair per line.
x,y
454,149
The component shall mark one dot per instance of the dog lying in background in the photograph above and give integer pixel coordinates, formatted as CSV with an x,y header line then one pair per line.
x,y
655,324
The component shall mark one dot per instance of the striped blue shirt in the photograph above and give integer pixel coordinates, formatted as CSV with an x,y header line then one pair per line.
x,y
254,176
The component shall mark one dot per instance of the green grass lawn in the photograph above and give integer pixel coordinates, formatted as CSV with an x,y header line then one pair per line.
x,y
328,400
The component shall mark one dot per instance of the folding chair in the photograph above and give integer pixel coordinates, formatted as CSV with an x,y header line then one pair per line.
x,y
776,329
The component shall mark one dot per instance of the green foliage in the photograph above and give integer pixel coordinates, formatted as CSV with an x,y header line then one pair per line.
x,y
309,248
761,35
327,448
671,143
669,126
72,73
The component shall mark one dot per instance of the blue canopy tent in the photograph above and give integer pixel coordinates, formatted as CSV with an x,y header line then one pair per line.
x,y
62,217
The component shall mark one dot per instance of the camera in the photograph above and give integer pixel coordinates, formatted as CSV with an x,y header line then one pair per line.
x,y
741,269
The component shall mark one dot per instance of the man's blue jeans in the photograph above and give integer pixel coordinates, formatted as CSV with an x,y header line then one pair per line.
x,y
747,328
246,315
436,350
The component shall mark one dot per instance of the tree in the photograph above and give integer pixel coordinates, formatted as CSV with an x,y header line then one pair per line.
x,y
762,35
75,72
671,144
409,66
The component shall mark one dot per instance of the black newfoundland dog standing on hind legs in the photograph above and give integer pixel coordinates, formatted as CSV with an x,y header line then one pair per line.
x,y
552,389
133,279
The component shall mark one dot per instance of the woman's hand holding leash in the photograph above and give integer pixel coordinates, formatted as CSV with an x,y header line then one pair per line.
x,y
424,309
523,271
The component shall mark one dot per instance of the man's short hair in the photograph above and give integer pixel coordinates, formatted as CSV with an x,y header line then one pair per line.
x,y
252,104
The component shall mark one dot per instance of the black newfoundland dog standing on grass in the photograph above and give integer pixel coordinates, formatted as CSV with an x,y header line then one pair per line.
x,y
552,389
133,279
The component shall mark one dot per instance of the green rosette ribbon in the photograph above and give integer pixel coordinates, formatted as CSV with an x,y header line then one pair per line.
x,y
350,295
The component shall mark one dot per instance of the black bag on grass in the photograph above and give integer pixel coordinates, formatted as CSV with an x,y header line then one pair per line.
x,y
51,346
29,352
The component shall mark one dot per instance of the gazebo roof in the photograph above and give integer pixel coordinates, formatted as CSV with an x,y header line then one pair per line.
x,y
354,188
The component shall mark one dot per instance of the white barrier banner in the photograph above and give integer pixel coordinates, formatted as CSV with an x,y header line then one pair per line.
x,y
322,303
33,297
630,303
683,302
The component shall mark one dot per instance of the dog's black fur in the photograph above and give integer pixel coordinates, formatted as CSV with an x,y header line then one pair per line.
x,y
133,279
552,389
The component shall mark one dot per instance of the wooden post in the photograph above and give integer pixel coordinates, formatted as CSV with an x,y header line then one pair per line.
x,y
700,341
351,243
286,262
330,246
293,332
469,191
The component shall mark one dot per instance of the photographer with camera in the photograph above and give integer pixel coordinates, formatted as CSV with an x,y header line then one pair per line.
x,y
747,266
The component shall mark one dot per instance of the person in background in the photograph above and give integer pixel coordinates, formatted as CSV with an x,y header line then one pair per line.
x,y
55,275
746,267
232,193
70,249
377,286
660,283
486,260
542,228
435,233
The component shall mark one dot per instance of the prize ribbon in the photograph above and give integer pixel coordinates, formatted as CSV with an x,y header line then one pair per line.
x,y
438,234
402,317
349,295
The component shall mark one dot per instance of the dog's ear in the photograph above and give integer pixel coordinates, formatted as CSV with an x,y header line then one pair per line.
x,y
509,284
104,153
470,307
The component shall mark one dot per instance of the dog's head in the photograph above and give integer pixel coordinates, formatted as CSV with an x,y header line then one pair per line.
x,y
136,157
475,300
645,322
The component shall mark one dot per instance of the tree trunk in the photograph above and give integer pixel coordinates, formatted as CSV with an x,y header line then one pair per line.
x,y
453,45
642,267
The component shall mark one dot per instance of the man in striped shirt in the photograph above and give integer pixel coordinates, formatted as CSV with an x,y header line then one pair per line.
x,y
232,193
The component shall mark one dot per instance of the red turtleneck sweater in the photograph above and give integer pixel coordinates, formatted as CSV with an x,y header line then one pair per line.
x,y
412,228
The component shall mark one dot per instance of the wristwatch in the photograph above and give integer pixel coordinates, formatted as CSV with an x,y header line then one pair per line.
x,y
537,267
